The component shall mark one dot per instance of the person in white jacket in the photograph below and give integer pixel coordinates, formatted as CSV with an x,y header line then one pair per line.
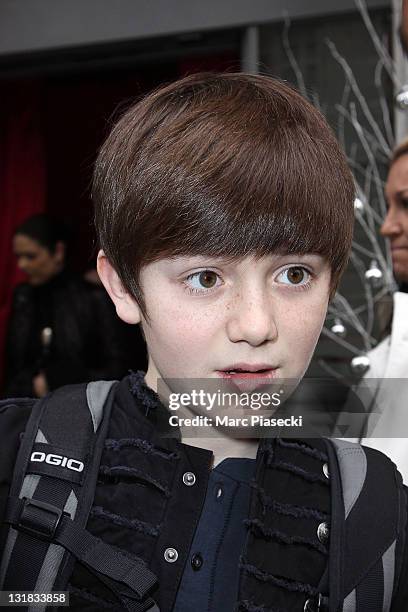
x,y
385,384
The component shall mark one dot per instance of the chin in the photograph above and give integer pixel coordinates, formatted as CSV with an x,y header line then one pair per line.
x,y
401,276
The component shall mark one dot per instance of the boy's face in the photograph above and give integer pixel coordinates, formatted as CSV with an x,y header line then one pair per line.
x,y
208,316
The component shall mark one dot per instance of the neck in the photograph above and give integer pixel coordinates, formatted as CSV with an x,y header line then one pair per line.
x,y
219,440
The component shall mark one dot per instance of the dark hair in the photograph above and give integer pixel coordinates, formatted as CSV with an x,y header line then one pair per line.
x,y
45,230
222,165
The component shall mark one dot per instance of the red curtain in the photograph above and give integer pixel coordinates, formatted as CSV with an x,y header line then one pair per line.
x,y
22,184
58,124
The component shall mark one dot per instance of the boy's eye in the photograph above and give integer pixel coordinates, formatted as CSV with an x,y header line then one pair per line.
x,y
295,275
206,279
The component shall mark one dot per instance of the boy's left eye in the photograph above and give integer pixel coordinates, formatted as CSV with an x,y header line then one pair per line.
x,y
295,275
200,281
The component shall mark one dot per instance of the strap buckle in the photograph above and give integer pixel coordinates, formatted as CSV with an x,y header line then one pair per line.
x,y
39,519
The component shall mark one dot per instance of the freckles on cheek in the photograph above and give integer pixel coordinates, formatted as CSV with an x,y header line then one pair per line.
x,y
303,325
178,327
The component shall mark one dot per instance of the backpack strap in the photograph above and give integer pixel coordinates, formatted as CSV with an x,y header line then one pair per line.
x,y
367,532
51,495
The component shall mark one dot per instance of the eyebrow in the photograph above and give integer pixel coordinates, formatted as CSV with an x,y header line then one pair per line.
x,y
399,194
196,259
231,260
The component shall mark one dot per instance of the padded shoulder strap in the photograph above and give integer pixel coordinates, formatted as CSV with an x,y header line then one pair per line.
x,y
367,528
51,495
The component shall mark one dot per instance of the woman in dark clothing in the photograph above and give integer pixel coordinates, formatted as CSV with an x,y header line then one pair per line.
x,y
62,329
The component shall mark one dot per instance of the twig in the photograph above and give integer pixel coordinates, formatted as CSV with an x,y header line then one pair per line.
x,y
379,47
340,341
355,88
376,172
383,103
292,59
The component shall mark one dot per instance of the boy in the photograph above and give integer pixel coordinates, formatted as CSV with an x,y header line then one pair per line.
x,y
224,208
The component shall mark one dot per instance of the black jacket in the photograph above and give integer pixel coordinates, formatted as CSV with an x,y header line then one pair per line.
x,y
142,505
85,343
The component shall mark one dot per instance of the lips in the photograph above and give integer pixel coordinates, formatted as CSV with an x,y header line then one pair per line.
x,y
247,377
399,248
252,368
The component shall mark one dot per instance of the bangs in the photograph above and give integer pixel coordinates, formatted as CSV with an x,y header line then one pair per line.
x,y
234,193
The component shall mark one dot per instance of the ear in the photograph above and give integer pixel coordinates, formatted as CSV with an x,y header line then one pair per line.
x,y
126,306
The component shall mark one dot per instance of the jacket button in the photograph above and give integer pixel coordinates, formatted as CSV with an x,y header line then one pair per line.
x,y
189,479
323,532
326,470
196,562
170,555
313,605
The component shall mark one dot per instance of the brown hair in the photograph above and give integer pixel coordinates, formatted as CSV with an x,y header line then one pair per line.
x,y
222,165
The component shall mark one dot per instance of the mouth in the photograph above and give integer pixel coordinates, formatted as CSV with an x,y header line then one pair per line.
x,y
248,377
247,370
399,248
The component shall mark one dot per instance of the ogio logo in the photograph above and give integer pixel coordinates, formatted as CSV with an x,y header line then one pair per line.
x,y
71,464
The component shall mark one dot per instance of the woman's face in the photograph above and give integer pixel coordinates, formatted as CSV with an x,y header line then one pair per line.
x,y
37,261
395,225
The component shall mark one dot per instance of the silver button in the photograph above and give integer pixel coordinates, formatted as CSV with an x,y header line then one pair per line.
x,y
323,532
326,470
218,492
313,605
189,479
310,606
171,555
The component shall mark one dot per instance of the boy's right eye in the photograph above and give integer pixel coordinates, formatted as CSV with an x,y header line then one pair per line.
x,y
202,281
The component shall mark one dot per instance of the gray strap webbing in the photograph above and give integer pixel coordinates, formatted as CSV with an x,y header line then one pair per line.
x,y
96,394
352,462
353,470
350,603
388,562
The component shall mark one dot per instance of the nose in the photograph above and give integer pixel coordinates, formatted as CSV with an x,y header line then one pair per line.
x,y
391,226
252,319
